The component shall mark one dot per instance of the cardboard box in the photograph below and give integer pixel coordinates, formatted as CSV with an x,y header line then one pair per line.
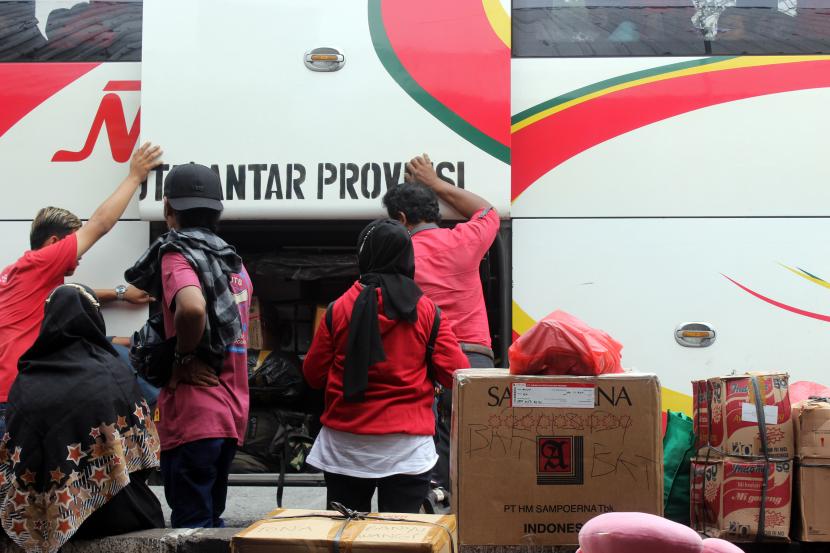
x,y
535,457
304,531
811,519
255,337
700,413
811,419
731,413
726,498
319,316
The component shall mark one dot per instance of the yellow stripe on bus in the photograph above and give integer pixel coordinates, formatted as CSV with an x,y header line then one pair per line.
x,y
734,63
499,19
806,276
521,320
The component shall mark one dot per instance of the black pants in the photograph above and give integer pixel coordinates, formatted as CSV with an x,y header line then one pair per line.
x,y
196,481
443,421
134,508
400,493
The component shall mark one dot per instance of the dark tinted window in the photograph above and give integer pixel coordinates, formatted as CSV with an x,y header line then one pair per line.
x,y
84,31
569,28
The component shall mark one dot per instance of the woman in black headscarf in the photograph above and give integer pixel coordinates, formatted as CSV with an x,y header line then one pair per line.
x,y
80,441
371,356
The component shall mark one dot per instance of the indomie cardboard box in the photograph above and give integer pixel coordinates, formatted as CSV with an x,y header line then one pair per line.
x,y
734,416
811,419
700,412
304,531
812,512
535,457
726,498
256,339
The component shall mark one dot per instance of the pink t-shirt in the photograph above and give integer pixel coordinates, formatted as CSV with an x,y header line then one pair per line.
x,y
191,413
446,269
24,287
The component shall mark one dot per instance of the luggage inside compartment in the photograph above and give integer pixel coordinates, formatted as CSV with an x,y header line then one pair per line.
x,y
292,287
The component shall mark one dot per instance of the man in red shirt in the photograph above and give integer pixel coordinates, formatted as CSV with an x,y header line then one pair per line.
x,y
447,269
58,240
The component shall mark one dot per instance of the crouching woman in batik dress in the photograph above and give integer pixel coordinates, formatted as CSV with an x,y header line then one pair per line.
x,y
80,440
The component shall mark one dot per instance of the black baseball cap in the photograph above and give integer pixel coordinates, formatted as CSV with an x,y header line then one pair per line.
x,y
191,186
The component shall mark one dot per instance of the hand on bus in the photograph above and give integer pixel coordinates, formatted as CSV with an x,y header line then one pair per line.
x,y
144,159
420,169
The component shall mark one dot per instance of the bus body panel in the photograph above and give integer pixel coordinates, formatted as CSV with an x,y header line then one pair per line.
x,y
721,142
648,193
638,279
63,103
321,145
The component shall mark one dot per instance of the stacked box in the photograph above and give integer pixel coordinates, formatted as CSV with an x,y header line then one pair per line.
x,y
811,420
535,457
727,496
742,476
256,339
726,416
304,531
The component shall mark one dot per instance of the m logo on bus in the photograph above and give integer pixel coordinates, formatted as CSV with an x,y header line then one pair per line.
x,y
110,115
559,460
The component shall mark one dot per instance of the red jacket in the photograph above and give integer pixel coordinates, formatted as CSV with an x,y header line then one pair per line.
x,y
399,396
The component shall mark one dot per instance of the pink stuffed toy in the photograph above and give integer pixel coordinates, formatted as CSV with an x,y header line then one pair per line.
x,y
713,545
638,533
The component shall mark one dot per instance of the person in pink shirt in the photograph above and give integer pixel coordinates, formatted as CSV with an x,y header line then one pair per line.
x,y
205,292
447,269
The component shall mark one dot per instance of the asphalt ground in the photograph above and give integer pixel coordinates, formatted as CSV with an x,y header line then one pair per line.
x,y
247,504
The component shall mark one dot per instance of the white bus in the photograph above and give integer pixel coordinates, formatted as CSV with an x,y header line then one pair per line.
x,y
656,166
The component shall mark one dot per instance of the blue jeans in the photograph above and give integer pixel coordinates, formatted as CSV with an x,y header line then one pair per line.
x,y
150,392
196,481
443,421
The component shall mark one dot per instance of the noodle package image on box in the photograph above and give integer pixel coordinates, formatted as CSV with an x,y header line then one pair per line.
x,y
536,457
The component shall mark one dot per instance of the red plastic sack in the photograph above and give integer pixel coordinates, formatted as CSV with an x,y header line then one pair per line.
x,y
561,344
804,390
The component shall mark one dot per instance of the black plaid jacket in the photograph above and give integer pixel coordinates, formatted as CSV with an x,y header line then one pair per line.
x,y
213,260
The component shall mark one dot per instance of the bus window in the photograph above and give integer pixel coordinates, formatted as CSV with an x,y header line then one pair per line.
x,y
65,31
583,28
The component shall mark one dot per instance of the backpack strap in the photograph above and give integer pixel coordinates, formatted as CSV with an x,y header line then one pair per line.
x,y
329,310
433,336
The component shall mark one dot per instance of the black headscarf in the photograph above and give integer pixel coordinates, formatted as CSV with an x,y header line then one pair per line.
x,y
386,261
77,426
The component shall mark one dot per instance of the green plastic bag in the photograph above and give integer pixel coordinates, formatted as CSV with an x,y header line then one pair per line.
x,y
678,450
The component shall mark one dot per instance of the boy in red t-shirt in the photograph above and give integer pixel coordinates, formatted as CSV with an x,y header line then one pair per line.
x,y
58,240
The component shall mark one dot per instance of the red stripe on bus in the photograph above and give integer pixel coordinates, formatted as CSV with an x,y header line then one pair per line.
x,y
464,64
544,145
24,86
779,304
123,86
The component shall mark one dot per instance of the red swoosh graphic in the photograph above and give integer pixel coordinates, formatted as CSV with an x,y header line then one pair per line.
x,y
542,146
464,64
784,306
24,86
